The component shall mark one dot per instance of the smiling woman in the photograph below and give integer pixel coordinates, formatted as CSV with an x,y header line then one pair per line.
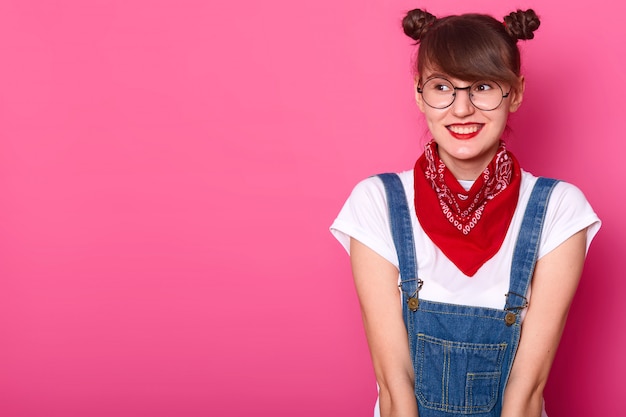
x,y
445,256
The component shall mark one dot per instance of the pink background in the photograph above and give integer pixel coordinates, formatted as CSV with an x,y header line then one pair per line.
x,y
169,170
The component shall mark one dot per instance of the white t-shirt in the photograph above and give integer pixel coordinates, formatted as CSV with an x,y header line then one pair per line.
x,y
364,217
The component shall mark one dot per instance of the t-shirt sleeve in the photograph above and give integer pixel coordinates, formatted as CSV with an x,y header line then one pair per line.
x,y
568,213
364,217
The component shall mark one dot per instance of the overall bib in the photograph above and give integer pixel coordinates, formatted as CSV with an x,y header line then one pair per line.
x,y
462,355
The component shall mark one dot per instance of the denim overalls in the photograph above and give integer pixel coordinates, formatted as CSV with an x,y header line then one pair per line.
x,y
462,355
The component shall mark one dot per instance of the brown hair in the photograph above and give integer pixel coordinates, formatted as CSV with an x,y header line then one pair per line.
x,y
471,46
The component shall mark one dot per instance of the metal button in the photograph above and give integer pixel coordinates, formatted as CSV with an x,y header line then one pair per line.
x,y
510,318
413,304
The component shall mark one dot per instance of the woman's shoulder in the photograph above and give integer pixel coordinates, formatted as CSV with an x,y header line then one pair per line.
x,y
373,188
568,212
563,191
365,217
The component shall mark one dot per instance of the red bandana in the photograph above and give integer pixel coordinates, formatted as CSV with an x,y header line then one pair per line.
x,y
468,226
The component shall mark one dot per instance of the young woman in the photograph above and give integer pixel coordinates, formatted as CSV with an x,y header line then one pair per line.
x,y
489,256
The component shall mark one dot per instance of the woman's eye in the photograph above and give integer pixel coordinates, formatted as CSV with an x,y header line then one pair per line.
x,y
483,86
442,87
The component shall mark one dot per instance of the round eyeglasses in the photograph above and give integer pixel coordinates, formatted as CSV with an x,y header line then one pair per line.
x,y
439,93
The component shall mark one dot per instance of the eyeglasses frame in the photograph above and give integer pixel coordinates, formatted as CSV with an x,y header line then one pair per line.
x,y
419,90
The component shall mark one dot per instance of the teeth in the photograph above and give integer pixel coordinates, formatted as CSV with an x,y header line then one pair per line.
x,y
464,130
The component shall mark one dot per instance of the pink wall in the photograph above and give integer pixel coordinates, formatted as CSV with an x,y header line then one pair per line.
x,y
169,170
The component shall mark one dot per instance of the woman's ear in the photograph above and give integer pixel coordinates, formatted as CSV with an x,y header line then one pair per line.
x,y
418,97
517,94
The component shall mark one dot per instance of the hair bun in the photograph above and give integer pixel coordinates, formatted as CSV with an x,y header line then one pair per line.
x,y
521,24
416,23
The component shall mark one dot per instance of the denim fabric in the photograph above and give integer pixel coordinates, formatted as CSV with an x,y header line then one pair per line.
x,y
462,355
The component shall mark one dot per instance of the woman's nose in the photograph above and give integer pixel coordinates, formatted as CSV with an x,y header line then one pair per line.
x,y
462,105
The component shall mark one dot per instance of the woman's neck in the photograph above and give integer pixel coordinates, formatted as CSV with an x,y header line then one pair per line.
x,y
465,170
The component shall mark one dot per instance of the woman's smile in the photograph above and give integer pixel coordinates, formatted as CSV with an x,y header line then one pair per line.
x,y
464,130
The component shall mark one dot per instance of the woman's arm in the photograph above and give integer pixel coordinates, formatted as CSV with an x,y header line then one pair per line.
x,y
553,286
376,282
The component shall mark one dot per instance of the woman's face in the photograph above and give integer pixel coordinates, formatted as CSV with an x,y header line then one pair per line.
x,y
467,137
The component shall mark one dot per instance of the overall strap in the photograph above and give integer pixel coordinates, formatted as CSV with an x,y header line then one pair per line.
x,y
527,245
402,232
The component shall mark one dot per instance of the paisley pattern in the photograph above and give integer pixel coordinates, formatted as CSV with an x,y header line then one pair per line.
x,y
464,210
